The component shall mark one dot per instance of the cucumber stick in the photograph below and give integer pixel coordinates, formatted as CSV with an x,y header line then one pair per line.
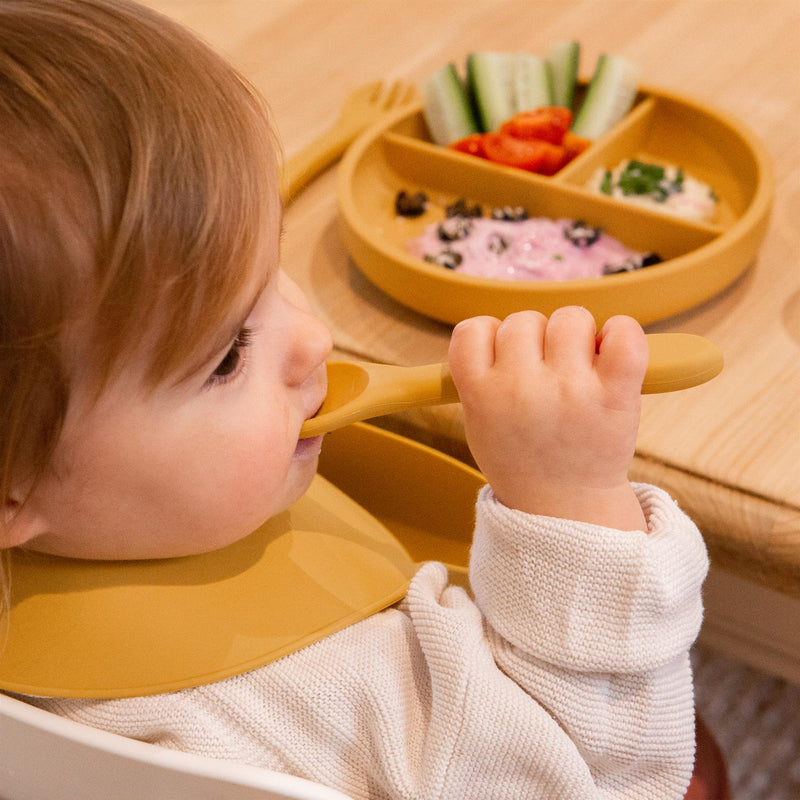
x,y
448,111
490,77
533,83
503,84
609,97
564,58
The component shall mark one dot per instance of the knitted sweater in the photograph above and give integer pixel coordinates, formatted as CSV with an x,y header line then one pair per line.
x,y
567,676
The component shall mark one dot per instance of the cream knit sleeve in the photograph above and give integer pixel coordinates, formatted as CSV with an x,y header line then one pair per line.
x,y
596,624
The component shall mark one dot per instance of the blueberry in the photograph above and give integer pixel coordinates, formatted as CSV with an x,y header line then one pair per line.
x,y
447,258
461,209
632,263
454,228
509,214
498,244
581,235
410,205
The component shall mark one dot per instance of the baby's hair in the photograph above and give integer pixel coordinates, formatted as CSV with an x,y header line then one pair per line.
x,y
137,173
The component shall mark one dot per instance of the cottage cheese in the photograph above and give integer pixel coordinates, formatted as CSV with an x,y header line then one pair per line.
x,y
674,192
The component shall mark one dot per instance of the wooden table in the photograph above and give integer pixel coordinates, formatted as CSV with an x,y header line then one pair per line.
x,y
729,450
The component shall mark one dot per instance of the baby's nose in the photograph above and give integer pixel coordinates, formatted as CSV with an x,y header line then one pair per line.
x,y
312,346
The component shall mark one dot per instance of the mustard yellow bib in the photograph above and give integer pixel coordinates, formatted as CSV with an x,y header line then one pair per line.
x,y
81,628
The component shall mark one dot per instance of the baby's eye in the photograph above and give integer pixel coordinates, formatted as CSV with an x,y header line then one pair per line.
x,y
233,360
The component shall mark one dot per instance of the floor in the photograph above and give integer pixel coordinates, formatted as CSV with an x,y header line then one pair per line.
x,y
755,718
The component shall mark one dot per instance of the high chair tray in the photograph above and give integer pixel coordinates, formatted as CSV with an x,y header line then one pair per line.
x,y
699,258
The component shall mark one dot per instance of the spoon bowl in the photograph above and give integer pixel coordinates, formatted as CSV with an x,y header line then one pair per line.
x,y
360,390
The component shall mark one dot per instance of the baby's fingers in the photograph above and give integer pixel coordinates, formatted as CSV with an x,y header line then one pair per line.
x,y
519,342
622,354
472,348
569,345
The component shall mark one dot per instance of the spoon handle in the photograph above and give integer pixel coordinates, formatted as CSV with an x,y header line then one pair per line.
x,y
676,361
679,361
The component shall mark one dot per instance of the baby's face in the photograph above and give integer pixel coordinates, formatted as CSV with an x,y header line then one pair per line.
x,y
199,464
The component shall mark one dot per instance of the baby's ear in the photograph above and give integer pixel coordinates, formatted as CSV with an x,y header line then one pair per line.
x,y
21,523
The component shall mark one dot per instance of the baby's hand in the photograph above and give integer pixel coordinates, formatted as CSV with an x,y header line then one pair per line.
x,y
551,411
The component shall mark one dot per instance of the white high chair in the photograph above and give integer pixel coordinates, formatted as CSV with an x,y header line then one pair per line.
x,y
46,757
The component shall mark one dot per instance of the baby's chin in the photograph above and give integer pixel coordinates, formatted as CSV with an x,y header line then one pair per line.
x,y
304,468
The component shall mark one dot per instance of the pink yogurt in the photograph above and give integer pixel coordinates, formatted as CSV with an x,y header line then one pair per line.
x,y
531,249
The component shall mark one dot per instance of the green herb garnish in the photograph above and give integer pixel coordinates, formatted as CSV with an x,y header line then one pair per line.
x,y
649,179
639,178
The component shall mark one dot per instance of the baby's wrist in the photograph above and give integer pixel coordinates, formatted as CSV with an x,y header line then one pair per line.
x,y
615,507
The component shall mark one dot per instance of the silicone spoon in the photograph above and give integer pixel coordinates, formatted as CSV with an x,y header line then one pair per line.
x,y
361,390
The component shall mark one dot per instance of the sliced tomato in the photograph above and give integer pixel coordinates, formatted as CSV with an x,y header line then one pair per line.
x,y
548,123
472,144
533,155
574,144
553,158
506,149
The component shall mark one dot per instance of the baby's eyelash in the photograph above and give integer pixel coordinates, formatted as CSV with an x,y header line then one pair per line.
x,y
233,361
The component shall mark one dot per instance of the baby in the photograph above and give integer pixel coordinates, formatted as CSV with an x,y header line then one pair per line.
x,y
156,367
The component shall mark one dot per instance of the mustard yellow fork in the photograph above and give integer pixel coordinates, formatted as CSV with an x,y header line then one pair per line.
x,y
363,107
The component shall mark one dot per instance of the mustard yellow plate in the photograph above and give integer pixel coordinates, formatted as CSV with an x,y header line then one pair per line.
x,y
699,259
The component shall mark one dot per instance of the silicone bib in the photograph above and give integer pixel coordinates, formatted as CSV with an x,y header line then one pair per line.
x,y
81,628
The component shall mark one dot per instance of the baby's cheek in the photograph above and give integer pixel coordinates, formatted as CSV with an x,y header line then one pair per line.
x,y
262,467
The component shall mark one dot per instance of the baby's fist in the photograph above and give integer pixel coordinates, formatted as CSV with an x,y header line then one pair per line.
x,y
551,410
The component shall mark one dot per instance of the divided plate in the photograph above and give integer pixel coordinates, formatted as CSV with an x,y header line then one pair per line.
x,y
700,259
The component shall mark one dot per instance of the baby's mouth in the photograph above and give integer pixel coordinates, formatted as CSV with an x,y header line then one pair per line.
x,y
308,448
